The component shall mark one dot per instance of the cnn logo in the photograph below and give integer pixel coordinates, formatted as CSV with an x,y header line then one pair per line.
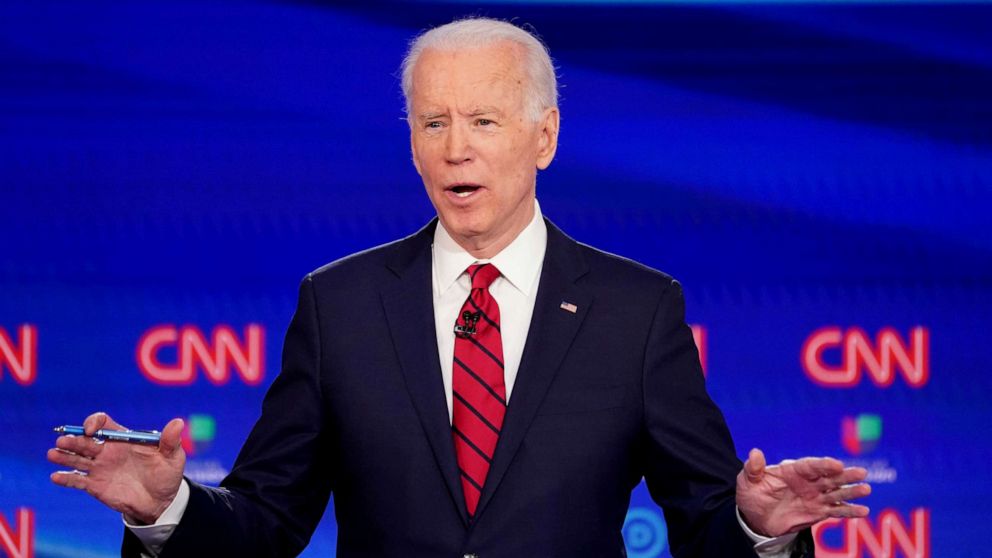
x,y
216,356
18,541
878,358
891,533
19,354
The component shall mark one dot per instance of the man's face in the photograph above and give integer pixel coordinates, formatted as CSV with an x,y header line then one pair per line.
x,y
475,147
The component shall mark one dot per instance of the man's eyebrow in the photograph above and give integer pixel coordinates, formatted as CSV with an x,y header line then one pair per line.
x,y
479,111
431,115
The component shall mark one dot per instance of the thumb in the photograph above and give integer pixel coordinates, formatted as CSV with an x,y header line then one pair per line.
x,y
171,437
754,467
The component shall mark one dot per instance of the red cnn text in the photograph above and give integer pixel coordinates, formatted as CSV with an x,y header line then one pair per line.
x,y
883,539
19,354
17,542
879,359
215,357
699,336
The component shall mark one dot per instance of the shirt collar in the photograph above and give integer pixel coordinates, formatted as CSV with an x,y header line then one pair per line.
x,y
519,263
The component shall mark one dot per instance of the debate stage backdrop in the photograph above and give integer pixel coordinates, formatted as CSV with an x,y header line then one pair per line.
x,y
817,175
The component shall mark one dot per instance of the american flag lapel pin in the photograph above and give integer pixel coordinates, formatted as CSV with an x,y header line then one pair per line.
x,y
568,307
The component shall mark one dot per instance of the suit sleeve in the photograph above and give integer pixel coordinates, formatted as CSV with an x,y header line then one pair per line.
x,y
690,461
281,482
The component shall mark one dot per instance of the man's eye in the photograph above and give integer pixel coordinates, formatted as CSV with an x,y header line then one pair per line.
x,y
434,124
484,122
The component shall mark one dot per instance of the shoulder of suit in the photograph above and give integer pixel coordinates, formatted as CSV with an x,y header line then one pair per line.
x,y
360,267
604,267
608,267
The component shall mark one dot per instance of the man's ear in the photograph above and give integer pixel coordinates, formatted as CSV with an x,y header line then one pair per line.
x,y
548,141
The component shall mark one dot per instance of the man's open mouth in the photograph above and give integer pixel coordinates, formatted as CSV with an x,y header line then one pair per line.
x,y
464,190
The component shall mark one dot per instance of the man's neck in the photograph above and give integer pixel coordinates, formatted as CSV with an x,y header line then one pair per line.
x,y
485,248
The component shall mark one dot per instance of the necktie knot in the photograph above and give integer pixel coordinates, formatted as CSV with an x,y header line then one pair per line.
x,y
482,275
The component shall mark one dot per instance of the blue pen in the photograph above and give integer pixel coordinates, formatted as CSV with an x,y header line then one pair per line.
x,y
132,436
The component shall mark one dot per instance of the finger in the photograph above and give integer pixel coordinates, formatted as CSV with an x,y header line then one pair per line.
x,y
814,468
95,422
99,420
171,437
81,445
847,511
69,459
846,493
70,479
825,466
850,475
754,467
853,474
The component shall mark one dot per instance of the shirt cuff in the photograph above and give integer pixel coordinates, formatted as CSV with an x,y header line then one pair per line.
x,y
768,547
155,535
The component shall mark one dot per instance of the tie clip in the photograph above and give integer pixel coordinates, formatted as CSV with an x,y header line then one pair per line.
x,y
469,319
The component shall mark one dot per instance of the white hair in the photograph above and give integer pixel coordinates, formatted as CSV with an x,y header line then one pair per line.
x,y
541,89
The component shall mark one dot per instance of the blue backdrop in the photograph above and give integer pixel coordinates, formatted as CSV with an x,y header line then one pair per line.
x,y
818,176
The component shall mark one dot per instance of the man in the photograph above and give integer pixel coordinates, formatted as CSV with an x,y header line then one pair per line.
x,y
485,387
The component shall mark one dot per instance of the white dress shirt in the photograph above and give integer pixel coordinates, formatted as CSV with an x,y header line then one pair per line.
x,y
515,290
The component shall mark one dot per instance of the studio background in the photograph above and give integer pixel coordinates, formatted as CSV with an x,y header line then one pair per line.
x,y
818,176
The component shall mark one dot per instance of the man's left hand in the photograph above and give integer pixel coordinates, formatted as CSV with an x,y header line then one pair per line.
x,y
780,499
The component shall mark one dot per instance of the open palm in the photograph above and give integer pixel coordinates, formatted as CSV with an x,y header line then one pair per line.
x,y
137,480
788,497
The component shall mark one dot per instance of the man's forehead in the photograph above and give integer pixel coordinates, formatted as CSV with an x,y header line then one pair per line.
x,y
498,62
475,78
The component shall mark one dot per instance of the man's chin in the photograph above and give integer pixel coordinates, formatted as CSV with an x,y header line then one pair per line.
x,y
464,223
466,233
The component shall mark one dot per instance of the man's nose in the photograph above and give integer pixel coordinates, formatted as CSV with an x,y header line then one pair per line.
x,y
458,145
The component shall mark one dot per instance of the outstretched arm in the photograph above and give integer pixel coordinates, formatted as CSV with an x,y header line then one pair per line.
x,y
270,503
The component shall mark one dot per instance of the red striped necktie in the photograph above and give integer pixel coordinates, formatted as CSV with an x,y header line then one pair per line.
x,y
479,392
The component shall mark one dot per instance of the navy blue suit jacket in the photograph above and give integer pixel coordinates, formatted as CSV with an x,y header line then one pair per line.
x,y
604,396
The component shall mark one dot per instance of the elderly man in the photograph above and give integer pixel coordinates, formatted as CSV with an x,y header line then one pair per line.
x,y
485,387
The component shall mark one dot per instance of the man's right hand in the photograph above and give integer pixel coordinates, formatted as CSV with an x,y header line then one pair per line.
x,y
137,480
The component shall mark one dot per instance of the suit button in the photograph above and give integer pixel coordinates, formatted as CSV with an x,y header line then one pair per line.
x,y
471,556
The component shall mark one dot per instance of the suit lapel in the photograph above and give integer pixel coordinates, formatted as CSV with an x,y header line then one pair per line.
x,y
551,332
409,308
